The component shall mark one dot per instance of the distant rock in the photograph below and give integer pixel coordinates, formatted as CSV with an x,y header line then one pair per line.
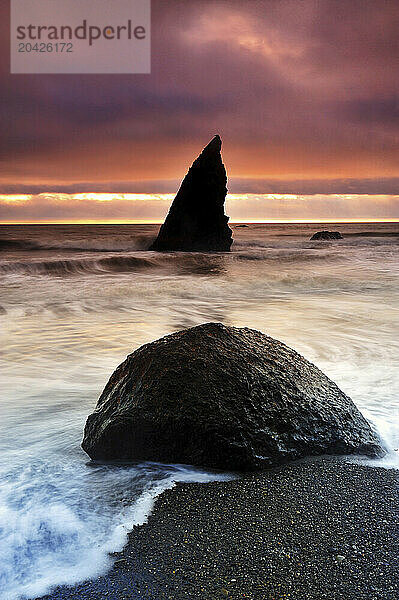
x,y
327,235
242,225
196,221
223,397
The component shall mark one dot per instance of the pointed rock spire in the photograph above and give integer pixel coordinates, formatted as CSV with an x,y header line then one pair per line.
x,y
196,221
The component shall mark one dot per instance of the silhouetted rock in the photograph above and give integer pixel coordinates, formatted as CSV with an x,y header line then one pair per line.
x,y
196,221
223,397
326,235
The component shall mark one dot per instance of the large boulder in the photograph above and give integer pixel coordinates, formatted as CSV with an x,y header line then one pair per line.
x,y
326,235
196,221
223,397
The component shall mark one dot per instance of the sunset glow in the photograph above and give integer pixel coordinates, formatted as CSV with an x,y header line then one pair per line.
x,y
211,203
152,208
304,96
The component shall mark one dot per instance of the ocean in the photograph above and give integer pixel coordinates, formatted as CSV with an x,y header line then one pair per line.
x,y
76,299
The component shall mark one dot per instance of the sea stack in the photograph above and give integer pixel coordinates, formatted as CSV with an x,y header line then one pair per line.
x,y
196,221
226,398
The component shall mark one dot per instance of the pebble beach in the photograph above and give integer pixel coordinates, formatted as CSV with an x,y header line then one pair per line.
x,y
316,529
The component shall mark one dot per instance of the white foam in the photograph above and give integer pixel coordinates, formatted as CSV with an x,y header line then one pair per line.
x,y
389,434
63,336
51,535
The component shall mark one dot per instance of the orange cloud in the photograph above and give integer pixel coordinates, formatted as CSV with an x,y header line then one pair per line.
x,y
152,208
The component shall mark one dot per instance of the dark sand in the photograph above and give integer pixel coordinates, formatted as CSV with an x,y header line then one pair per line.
x,y
311,530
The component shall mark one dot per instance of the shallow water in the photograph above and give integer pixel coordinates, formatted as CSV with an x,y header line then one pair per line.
x,y
75,300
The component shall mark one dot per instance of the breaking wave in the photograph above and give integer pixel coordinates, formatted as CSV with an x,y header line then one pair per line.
x,y
11,244
53,534
90,245
191,263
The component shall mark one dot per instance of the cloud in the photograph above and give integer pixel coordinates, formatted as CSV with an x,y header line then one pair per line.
x,y
367,187
384,111
63,207
298,90
236,185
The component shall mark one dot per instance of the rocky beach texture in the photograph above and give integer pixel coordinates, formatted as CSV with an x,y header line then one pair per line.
x,y
196,221
226,398
314,530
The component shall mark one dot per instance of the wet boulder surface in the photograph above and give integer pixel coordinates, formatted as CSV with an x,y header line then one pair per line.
x,y
226,398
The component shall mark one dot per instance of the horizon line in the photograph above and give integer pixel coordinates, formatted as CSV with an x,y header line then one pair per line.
x,y
233,222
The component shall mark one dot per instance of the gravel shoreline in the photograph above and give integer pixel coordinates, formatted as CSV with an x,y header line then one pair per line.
x,y
317,529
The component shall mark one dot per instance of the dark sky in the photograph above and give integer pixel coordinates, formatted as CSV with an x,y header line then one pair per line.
x,y
298,90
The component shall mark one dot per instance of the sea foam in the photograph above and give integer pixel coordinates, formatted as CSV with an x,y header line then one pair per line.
x,y
69,317
55,530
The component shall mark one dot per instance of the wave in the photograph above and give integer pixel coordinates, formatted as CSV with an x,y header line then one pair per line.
x,y
53,535
89,245
373,234
175,262
199,264
273,255
65,267
191,263
11,244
